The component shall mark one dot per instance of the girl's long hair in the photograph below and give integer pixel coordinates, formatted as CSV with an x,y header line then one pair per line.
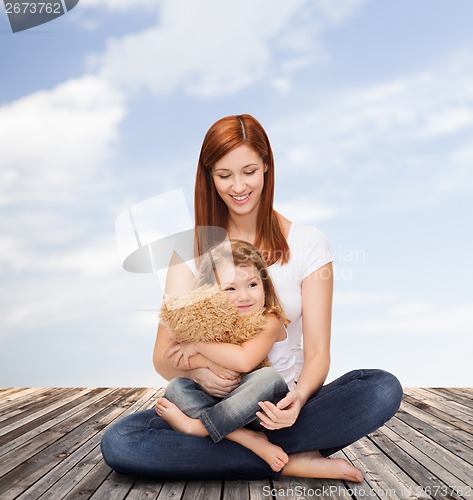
x,y
224,136
241,253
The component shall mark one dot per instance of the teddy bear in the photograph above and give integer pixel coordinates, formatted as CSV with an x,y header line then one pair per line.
x,y
206,314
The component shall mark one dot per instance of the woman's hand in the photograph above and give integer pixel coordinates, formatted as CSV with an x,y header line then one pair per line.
x,y
223,372
213,384
284,414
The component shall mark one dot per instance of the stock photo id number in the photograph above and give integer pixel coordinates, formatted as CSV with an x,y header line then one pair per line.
x,y
26,15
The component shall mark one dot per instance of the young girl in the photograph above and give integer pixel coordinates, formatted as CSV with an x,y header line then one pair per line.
x,y
240,270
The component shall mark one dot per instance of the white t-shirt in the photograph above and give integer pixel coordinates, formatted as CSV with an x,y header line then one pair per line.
x,y
309,250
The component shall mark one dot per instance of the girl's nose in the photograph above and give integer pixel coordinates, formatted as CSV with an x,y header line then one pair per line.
x,y
242,295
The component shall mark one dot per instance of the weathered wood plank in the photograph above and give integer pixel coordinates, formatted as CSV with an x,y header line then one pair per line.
x,y
22,453
383,475
447,428
34,408
452,394
235,490
73,469
457,410
22,477
145,489
51,451
79,404
446,441
258,489
171,490
15,400
421,476
461,468
449,470
202,490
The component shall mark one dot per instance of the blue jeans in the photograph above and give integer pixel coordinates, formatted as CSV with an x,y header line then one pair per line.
x,y
340,413
222,416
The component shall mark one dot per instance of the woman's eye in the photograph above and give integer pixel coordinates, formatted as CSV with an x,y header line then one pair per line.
x,y
250,173
224,176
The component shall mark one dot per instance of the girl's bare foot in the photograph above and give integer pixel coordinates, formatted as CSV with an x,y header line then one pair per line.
x,y
178,420
312,464
258,443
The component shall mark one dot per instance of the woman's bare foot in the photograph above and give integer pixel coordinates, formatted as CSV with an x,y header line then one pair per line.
x,y
312,464
258,443
178,420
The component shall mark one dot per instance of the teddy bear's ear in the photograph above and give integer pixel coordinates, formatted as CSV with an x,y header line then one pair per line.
x,y
191,297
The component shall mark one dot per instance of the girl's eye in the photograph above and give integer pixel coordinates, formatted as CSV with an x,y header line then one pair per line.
x,y
229,289
252,285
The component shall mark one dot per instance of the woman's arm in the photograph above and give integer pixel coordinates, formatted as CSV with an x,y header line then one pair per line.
x,y
179,279
317,292
241,358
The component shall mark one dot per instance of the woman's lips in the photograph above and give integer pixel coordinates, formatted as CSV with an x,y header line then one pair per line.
x,y
242,199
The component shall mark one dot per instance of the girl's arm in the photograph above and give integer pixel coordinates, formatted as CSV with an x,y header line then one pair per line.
x,y
241,358
317,292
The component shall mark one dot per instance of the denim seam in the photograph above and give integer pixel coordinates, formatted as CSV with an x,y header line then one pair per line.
x,y
211,429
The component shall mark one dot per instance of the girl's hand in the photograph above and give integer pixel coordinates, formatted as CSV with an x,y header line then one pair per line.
x,y
186,350
222,372
213,384
284,414
179,350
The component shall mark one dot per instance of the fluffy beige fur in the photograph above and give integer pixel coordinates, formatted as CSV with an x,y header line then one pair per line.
x,y
206,314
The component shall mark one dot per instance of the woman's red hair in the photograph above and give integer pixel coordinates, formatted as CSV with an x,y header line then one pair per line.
x,y
224,136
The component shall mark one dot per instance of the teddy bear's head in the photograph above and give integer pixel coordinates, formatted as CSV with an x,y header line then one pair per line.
x,y
206,314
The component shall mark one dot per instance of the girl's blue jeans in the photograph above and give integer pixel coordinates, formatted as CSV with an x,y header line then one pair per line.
x,y
340,413
222,416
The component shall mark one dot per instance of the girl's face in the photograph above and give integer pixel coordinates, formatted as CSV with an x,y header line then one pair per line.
x,y
243,285
239,179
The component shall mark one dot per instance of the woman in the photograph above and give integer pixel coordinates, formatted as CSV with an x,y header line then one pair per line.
x,y
234,189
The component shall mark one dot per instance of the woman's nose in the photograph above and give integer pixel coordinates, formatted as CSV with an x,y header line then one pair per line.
x,y
239,185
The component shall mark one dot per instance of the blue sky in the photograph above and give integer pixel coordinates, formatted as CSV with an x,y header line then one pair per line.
x,y
369,108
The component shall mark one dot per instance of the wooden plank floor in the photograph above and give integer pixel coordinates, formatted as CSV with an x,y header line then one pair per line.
x,y
49,449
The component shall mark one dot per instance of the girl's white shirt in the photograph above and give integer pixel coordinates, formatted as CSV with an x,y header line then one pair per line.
x,y
283,360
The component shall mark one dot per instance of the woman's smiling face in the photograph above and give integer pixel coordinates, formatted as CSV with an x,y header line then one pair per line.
x,y
239,179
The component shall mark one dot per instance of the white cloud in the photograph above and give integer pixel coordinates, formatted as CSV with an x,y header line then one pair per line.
x,y
212,48
416,321
386,139
305,211
56,145
120,5
54,141
342,299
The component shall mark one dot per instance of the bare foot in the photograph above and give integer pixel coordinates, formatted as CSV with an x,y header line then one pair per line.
x,y
258,443
312,464
178,420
